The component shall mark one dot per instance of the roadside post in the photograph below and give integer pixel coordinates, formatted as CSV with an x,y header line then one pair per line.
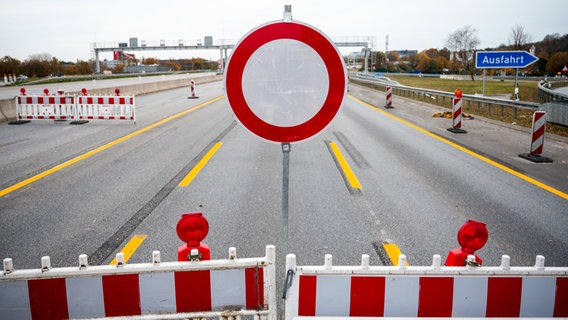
x,y
192,90
457,113
388,90
537,139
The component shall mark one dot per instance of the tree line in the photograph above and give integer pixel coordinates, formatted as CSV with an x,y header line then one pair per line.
x,y
45,65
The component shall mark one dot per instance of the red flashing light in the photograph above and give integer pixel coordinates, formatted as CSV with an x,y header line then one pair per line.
x,y
472,236
117,91
46,91
23,91
192,228
458,93
84,91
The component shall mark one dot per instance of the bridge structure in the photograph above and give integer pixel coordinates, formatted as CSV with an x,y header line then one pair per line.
x,y
223,45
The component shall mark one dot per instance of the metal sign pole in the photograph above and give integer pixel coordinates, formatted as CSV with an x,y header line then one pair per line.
x,y
286,148
484,73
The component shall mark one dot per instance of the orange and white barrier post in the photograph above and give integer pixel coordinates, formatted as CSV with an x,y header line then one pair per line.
x,y
389,97
192,89
537,139
457,113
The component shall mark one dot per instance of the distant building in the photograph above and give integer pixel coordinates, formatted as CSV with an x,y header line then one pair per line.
x,y
405,53
146,69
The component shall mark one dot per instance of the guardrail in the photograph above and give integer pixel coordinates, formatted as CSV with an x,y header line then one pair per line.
x,y
547,93
438,97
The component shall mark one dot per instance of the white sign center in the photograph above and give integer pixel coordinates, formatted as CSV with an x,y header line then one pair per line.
x,y
287,82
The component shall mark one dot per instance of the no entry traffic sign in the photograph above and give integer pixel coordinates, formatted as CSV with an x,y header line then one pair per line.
x,y
285,81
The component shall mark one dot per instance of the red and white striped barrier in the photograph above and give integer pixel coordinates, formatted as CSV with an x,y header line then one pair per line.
x,y
46,107
435,291
388,105
457,113
537,138
106,108
210,288
80,109
192,90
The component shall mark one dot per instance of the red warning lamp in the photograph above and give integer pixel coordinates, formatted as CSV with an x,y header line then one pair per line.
x,y
84,91
23,91
458,93
191,229
472,236
117,91
46,91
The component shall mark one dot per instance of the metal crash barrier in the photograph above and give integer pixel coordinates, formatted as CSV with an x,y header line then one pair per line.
x,y
433,291
194,289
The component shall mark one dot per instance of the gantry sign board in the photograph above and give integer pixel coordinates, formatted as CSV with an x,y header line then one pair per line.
x,y
285,81
503,59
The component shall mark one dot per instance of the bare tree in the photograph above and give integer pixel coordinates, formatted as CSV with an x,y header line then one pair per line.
x,y
463,43
519,37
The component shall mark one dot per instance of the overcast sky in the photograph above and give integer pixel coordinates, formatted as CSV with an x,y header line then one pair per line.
x,y
66,28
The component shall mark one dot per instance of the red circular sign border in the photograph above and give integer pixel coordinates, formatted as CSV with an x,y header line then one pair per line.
x,y
276,31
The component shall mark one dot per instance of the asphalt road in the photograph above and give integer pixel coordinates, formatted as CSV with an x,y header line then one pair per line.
x,y
117,179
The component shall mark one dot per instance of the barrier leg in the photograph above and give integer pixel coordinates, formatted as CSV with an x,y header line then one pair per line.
x,y
19,120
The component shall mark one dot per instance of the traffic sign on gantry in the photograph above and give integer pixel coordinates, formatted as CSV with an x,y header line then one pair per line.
x,y
503,59
285,81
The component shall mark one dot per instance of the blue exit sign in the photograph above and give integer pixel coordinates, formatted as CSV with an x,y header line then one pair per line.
x,y
503,59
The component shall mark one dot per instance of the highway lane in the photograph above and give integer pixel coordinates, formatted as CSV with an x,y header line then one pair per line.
x,y
77,208
416,190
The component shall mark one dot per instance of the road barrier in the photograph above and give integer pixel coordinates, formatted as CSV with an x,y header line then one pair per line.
x,y
192,90
214,288
457,113
44,107
434,291
106,108
80,109
234,287
537,139
388,90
